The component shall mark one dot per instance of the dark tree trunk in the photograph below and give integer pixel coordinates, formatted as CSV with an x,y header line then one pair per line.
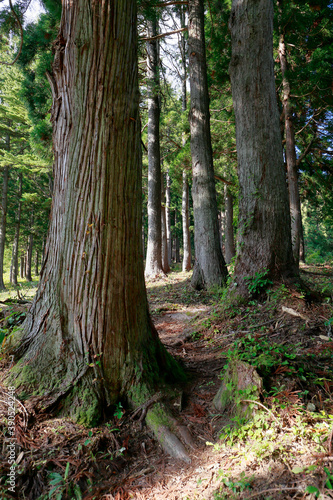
x,y
230,250
210,268
88,339
22,266
3,220
294,198
264,219
154,248
14,263
36,263
28,267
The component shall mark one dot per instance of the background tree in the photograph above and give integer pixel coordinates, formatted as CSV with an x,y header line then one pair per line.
x,y
210,268
264,236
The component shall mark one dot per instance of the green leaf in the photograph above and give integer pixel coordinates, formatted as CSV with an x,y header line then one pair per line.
x,y
297,470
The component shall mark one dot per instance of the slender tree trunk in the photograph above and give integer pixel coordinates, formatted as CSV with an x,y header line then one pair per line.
x,y
264,219
210,268
230,250
165,256
22,266
28,267
36,263
302,246
3,220
14,263
154,248
294,198
187,258
88,339
186,225
168,216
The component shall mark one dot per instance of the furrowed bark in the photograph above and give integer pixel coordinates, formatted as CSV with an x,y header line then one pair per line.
x,y
230,250
88,339
294,198
264,237
210,268
154,247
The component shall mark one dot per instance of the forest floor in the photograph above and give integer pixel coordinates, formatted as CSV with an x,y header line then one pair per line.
x,y
285,451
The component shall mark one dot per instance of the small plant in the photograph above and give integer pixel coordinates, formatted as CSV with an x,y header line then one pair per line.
x,y
119,411
236,486
259,282
63,487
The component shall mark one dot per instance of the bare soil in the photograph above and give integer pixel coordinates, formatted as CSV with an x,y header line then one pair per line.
x,y
121,460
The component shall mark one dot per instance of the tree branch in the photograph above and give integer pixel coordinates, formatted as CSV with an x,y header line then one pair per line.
x,y
306,152
162,35
21,36
166,4
222,179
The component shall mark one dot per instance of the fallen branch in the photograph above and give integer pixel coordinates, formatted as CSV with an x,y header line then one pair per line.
x,y
263,406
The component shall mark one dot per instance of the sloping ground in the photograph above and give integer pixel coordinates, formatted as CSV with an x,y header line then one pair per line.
x,y
284,452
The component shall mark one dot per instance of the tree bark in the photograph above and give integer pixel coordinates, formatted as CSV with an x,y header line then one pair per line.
x,y
210,268
36,263
165,256
230,250
28,268
15,251
154,247
22,266
187,257
264,219
168,216
3,219
294,198
88,339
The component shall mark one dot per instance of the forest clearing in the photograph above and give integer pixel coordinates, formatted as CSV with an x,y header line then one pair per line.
x,y
284,451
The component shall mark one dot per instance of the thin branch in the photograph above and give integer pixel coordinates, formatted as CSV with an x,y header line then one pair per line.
x,y
260,404
222,179
21,36
162,35
166,4
306,152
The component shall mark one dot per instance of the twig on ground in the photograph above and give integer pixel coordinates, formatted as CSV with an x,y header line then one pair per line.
x,y
263,406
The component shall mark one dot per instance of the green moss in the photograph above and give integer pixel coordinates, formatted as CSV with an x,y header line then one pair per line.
x,y
158,416
83,404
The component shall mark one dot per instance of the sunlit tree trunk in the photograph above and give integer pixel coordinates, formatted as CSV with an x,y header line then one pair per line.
x,y
210,268
294,198
230,250
88,339
168,215
154,247
165,256
264,219
187,258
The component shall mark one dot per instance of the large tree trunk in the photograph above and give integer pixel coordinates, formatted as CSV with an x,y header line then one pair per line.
x,y
264,219
14,263
154,248
230,250
294,198
3,221
88,339
210,268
